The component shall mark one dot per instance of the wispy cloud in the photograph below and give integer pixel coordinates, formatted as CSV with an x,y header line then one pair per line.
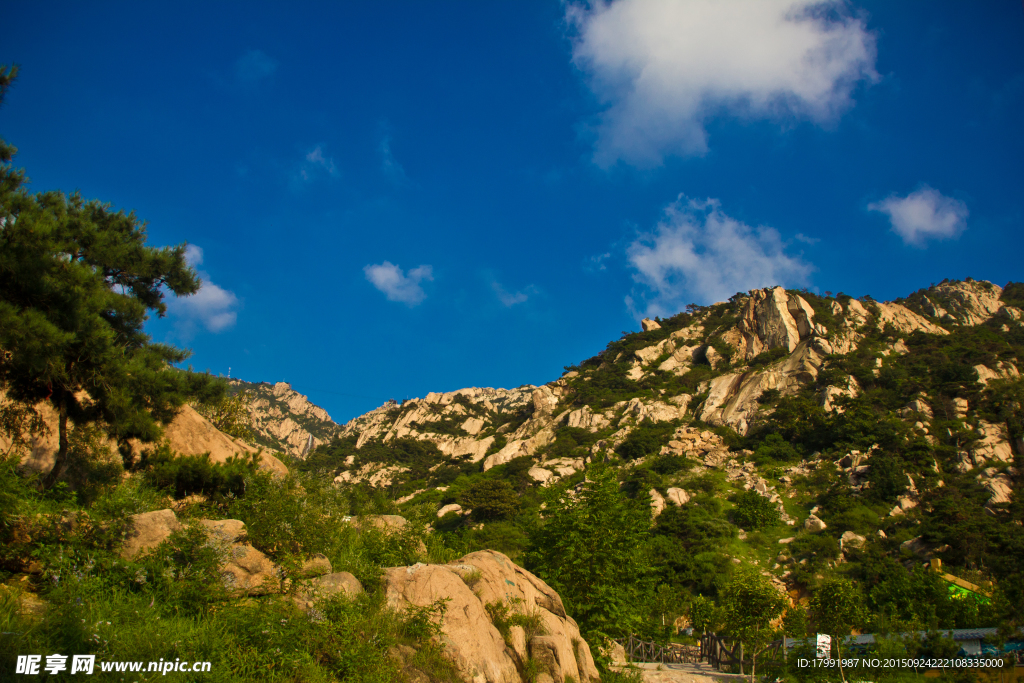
x,y
698,253
662,68
254,66
317,162
212,307
388,164
509,299
396,285
923,215
592,264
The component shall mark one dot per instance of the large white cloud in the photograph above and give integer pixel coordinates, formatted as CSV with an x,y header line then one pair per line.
x,y
698,254
396,285
213,307
924,214
663,67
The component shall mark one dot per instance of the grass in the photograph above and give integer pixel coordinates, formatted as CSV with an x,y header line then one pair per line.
x,y
505,615
169,604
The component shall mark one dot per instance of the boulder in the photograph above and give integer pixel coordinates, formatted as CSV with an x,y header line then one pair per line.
x,y
226,530
815,524
677,496
649,325
326,586
541,475
385,523
451,507
248,571
657,502
338,582
850,539
148,530
475,645
317,565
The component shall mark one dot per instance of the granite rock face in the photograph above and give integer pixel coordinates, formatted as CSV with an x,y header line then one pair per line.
x,y
471,639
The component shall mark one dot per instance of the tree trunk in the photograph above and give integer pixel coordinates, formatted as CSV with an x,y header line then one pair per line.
x,y
753,665
840,655
62,446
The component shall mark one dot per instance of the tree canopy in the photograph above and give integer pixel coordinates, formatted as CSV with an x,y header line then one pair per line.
x,y
77,283
594,548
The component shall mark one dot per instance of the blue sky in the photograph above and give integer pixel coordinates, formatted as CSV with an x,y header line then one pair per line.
x,y
391,198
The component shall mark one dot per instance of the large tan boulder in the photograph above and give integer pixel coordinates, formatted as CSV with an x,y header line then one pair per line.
x,y
148,530
476,646
247,571
308,592
224,530
244,569
190,433
338,582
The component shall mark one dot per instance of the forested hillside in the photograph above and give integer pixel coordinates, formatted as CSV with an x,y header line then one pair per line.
x,y
810,437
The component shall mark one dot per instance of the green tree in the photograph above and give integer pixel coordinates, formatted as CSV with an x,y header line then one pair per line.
x,y
593,549
703,614
491,499
77,282
230,414
750,603
838,609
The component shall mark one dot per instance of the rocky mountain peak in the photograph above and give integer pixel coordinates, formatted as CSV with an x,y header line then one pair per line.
x,y
284,420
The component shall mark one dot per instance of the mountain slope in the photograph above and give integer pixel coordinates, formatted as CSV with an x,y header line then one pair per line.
x,y
281,419
875,434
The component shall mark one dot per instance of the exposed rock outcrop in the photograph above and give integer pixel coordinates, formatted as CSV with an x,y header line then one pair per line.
x,y
285,420
189,433
472,640
244,569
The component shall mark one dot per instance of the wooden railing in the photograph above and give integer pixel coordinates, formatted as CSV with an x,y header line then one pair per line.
x,y
667,653
719,652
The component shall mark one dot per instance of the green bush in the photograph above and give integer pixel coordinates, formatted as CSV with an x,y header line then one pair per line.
x,y
491,499
185,475
754,511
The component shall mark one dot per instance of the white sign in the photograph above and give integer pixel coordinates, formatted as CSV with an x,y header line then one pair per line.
x,y
823,646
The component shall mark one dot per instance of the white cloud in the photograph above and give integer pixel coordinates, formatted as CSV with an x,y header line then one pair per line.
x,y
254,66
509,299
388,164
316,162
212,306
663,67
697,253
193,255
593,264
389,278
924,214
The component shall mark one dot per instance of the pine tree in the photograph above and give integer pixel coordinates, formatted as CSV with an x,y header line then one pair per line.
x,y
77,283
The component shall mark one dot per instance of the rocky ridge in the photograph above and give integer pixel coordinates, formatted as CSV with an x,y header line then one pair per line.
x,y
746,353
284,420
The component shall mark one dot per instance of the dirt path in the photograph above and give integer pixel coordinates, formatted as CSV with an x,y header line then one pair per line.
x,y
684,673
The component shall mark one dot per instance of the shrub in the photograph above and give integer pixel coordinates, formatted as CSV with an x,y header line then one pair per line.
x,y
754,511
185,475
775,449
491,499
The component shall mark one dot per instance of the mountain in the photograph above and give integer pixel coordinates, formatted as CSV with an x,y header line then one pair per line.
x,y
728,365
782,429
283,420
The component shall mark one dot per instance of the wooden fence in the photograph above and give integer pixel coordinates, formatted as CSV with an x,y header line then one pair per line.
x,y
670,653
718,652
721,653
